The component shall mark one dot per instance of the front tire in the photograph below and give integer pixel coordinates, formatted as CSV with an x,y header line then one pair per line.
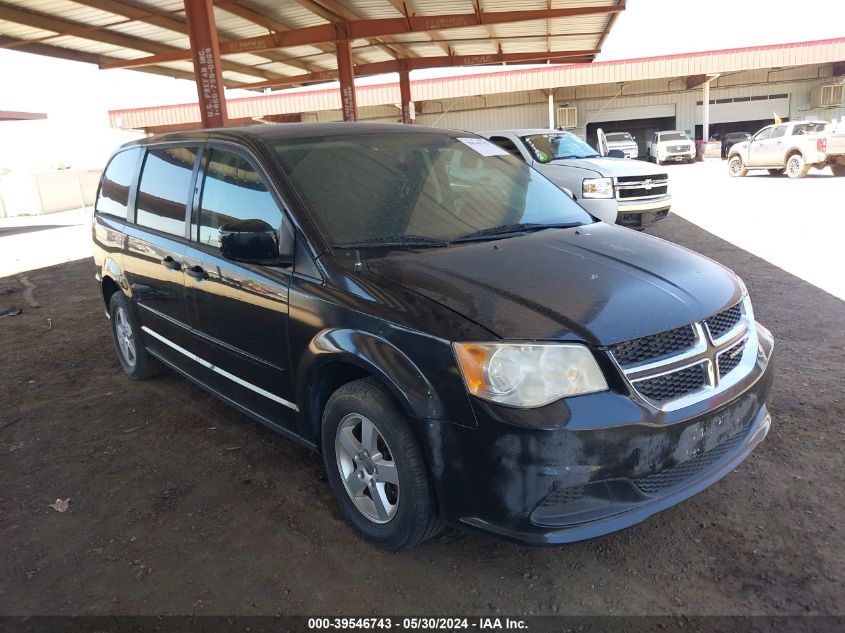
x,y
796,167
736,167
136,362
375,467
838,170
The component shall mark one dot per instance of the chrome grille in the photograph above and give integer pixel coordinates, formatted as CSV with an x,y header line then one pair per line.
x,y
653,347
628,187
724,321
675,368
675,384
729,359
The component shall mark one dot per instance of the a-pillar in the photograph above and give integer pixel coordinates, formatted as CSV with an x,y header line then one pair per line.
x,y
346,74
405,96
202,32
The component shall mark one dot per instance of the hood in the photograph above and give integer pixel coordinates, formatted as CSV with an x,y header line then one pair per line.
x,y
598,283
607,166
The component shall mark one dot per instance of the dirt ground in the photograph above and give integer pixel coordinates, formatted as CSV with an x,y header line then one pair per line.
x,y
180,505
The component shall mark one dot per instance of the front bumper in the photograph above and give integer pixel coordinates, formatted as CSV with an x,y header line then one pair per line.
x,y
633,213
677,157
609,463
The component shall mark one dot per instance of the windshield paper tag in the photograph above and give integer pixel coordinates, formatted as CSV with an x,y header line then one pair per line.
x,y
483,146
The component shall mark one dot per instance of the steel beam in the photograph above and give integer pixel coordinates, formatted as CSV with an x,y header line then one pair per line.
x,y
346,74
419,63
405,96
202,31
365,29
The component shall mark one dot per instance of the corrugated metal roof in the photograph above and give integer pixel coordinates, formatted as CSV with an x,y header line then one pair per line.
x,y
109,31
552,76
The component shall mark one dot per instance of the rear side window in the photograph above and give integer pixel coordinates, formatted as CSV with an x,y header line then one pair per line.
x,y
164,189
114,193
233,190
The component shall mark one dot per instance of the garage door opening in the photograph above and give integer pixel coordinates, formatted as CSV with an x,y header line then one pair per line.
x,y
640,129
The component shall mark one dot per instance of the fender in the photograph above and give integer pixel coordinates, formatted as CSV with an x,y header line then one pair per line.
x,y
376,356
111,268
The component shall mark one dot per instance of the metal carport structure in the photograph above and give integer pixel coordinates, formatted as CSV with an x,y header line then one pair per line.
x,y
265,44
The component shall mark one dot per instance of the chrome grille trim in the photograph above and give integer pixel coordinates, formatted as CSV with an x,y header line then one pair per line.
x,y
658,183
705,351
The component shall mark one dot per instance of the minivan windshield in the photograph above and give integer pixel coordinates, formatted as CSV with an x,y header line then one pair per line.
x,y
673,136
619,137
423,188
558,146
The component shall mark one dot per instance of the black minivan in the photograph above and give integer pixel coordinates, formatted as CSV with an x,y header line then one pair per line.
x,y
460,341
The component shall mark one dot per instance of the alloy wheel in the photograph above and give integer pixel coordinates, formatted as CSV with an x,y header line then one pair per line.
x,y
367,468
124,336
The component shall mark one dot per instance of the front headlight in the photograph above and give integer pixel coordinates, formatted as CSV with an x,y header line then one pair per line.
x,y
528,375
597,188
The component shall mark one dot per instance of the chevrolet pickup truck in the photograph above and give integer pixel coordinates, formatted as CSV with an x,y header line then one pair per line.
x,y
615,190
791,148
624,142
671,146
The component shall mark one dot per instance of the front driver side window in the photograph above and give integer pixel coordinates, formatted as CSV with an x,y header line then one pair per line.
x,y
233,190
763,134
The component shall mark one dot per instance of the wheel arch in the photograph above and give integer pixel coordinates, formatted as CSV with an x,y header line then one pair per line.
x,y
337,357
111,281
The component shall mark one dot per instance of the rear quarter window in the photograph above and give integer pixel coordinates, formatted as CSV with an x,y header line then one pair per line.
x,y
113,198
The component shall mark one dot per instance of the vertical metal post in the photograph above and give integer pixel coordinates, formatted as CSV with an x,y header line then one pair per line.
x,y
202,31
552,110
347,81
705,111
405,96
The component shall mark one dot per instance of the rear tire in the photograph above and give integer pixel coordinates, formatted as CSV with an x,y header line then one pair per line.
x,y
136,361
796,167
736,167
375,467
776,172
838,170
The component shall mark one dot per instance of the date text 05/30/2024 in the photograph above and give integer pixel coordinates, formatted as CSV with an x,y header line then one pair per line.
x,y
414,624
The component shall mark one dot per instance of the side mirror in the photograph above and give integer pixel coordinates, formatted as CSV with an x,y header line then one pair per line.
x,y
252,242
616,153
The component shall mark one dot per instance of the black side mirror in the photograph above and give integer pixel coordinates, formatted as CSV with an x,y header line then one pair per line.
x,y
616,153
252,242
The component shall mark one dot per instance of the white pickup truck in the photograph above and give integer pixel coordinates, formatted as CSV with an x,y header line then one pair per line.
x,y
673,145
791,148
615,190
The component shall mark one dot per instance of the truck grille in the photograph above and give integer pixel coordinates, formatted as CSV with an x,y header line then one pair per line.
x,y
629,187
678,148
669,368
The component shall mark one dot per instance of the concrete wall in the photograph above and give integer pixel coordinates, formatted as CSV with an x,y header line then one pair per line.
x,y
47,192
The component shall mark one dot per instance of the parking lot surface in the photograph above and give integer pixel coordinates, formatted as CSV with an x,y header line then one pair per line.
x,y
179,505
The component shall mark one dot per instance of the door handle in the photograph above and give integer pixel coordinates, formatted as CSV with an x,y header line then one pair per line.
x,y
196,272
170,263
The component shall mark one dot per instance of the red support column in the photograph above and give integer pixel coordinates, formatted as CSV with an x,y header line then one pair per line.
x,y
202,31
347,81
405,96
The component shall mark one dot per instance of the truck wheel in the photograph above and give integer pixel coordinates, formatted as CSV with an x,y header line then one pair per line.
x,y
775,172
136,361
736,167
838,170
795,166
375,467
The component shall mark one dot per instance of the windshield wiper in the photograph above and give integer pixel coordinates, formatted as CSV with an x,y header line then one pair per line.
x,y
419,241
511,229
568,156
